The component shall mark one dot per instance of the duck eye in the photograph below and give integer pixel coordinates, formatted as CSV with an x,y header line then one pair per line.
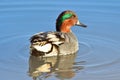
x,y
73,16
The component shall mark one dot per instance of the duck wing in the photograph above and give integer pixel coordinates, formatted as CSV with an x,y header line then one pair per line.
x,y
45,41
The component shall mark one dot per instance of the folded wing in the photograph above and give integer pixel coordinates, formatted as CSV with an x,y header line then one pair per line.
x,y
45,41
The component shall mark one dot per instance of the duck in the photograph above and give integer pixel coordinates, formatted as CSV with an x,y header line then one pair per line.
x,y
60,42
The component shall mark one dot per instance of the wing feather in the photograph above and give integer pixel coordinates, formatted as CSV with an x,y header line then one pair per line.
x,y
44,41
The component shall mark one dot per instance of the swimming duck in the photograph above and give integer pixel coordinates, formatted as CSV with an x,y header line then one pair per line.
x,y
59,42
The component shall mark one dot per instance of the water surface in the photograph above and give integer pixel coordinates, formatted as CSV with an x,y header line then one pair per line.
x,y
99,54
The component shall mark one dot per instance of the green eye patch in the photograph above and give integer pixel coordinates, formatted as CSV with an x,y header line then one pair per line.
x,y
64,17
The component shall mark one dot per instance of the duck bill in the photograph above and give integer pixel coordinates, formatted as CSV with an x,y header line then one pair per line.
x,y
80,24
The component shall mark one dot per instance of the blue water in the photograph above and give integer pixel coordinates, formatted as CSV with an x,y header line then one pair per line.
x,y
99,54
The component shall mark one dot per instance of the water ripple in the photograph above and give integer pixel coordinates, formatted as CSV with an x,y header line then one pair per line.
x,y
96,54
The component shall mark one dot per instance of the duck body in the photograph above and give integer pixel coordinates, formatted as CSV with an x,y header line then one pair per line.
x,y
53,44
59,42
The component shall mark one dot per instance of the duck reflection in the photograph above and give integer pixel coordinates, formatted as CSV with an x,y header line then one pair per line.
x,y
62,66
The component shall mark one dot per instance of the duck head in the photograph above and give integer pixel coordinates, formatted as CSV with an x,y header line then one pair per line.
x,y
66,20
